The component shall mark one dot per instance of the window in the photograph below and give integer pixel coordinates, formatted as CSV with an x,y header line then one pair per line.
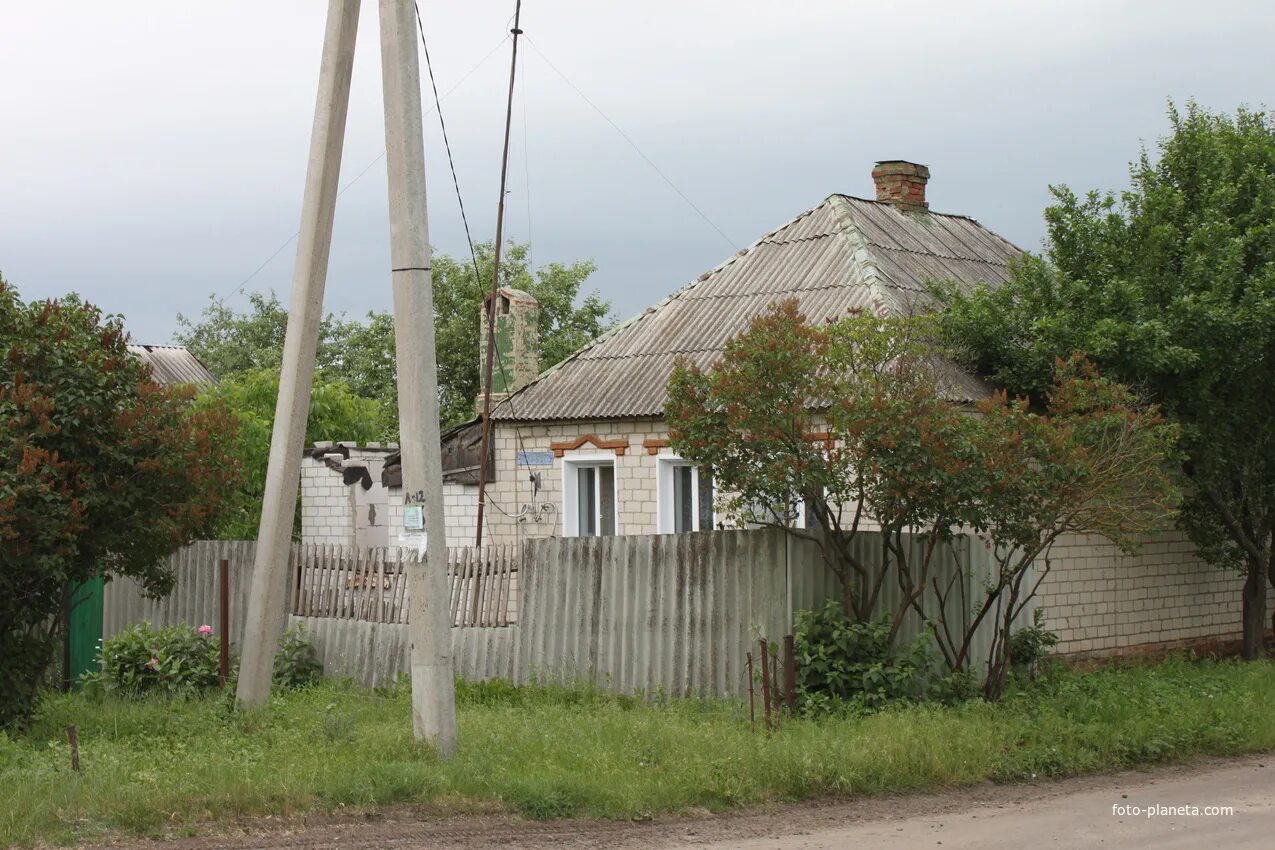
x,y
589,498
685,497
793,515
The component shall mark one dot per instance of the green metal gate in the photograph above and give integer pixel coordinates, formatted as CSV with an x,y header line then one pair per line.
x,y
84,628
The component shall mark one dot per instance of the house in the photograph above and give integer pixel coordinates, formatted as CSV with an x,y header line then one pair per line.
x,y
582,449
172,364
593,425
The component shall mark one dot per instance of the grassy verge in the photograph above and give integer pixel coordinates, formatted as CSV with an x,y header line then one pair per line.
x,y
155,766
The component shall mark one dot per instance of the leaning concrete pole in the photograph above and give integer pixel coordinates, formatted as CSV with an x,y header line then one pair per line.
x,y
428,623
268,603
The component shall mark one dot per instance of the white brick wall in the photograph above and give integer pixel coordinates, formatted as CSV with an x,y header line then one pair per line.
x,y
1099,600
327,506
511,492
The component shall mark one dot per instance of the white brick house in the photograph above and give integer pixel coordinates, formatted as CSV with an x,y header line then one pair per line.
x,y
581,449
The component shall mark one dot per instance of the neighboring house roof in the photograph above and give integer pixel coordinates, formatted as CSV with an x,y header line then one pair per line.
x,y
846,253
173,364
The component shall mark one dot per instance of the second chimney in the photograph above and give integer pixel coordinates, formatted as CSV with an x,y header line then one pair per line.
x,y
517,343
901,183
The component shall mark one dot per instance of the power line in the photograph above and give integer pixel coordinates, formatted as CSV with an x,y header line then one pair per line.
x,y
526,173
221,300
473,255
632,144
438,105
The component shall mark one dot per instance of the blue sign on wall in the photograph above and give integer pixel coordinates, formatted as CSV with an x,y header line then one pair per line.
x,y
535,458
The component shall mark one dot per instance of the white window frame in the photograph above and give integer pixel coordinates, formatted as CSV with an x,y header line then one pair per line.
x,y
798,519
571,467
665,522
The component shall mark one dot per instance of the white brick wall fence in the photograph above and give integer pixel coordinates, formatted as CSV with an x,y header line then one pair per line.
x,y
1103,602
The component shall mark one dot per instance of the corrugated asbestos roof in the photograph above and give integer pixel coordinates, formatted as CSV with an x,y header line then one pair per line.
x,y
846,253
173,364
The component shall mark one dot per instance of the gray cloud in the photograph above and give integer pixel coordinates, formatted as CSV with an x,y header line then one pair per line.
x,y
153,153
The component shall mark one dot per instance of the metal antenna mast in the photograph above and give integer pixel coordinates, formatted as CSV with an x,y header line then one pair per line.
x,y
490,306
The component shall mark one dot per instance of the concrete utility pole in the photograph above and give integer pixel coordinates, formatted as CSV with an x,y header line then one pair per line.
x,y
429,626
267,607
429,623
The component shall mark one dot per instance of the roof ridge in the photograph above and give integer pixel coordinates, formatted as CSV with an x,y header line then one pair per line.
x,y
870,272
892,205
982,227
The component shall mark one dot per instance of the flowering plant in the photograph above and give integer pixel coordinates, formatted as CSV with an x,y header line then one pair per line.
x,y
178,660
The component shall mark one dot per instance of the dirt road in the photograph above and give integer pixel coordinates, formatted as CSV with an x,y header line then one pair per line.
x,y
1075,813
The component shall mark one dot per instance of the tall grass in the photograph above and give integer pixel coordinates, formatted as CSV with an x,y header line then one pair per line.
x,y
154,766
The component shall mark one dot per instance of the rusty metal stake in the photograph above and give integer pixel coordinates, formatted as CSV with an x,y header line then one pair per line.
x,y
790,675
73,738
223,622
765,682
752,710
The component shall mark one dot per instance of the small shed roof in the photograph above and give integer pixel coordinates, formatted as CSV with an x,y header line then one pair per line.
x,y
845,253
173,364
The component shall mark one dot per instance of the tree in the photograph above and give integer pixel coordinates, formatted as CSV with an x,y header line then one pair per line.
x,y
105,473
1169,287
336,413
458,298
361,353
853,420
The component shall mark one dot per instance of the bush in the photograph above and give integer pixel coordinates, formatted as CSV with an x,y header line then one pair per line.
x,y
175,661
296,664
1030,644
854,662
183,661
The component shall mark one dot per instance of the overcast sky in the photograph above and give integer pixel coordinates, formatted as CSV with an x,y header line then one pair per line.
x,y
152,153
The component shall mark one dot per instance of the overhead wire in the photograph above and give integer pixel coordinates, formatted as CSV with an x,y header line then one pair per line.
x,y
526,173
237,290
632,144
473,254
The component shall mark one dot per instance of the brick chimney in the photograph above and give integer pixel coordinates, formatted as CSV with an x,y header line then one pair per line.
x,y
517,343
901,183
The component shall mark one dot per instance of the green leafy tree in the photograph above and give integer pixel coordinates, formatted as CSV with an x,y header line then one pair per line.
x,y
853,420
361,353
336,413
1169,287
458,298
105,473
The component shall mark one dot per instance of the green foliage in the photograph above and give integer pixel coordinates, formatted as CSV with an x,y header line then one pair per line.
x,y
855,418
181,661
152,766
843,661
336,413
1169,287
296,664
1030,644
106,472
458,299
177,661
360,354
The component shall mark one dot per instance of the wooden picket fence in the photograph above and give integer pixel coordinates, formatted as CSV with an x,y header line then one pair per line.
x,y
371,584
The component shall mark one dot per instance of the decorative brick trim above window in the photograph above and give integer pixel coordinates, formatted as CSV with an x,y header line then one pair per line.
x,y
822,437
653,445
619,445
